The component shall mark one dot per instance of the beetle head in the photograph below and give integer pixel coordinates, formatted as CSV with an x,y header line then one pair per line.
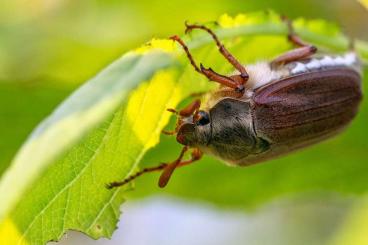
x,y
194,130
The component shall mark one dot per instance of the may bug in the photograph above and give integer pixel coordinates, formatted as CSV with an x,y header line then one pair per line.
x,y
266,109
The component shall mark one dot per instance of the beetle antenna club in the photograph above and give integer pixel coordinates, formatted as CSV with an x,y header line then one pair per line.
x,y
189,110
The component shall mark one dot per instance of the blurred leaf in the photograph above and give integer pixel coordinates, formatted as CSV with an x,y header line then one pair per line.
x,y
101,132
29,105
364,2
354,229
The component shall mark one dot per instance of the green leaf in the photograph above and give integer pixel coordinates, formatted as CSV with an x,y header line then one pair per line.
x,y
81,112
102,131
86,107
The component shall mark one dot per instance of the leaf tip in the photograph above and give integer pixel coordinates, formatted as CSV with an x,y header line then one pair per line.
x,y
226,21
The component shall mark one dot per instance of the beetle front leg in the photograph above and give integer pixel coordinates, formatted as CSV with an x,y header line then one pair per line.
x,y
167,169
230,82
305,50
136,175
227,81
190,109
237,65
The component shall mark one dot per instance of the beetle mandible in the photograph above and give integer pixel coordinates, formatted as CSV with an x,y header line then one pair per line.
x,y
267,109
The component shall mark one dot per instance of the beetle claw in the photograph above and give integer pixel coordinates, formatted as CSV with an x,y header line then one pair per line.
x,y
172,110
175,38
187,27
204,69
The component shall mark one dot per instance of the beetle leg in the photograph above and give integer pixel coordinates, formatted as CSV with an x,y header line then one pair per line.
x,y
304,49
211,74
167,168
351,44
190,109
136,175
196,95
186,49
173,132
294,55
237,65
292,35
224,80
224,92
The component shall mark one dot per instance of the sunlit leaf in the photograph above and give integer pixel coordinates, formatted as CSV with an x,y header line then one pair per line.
x,y
364,2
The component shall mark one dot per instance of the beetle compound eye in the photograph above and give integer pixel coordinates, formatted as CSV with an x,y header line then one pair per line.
x,y
203,118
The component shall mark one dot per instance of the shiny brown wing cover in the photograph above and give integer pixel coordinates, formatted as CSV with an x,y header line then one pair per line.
x,y
306,108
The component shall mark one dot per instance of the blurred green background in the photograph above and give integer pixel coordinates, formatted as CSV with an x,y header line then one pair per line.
x,y
48,48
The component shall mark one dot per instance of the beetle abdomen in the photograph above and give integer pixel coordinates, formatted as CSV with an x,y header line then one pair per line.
x,y
303,109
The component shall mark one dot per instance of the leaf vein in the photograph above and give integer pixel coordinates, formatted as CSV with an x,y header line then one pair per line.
x,y
65,188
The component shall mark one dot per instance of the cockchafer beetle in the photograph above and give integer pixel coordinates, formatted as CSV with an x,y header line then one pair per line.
x,y
267,109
